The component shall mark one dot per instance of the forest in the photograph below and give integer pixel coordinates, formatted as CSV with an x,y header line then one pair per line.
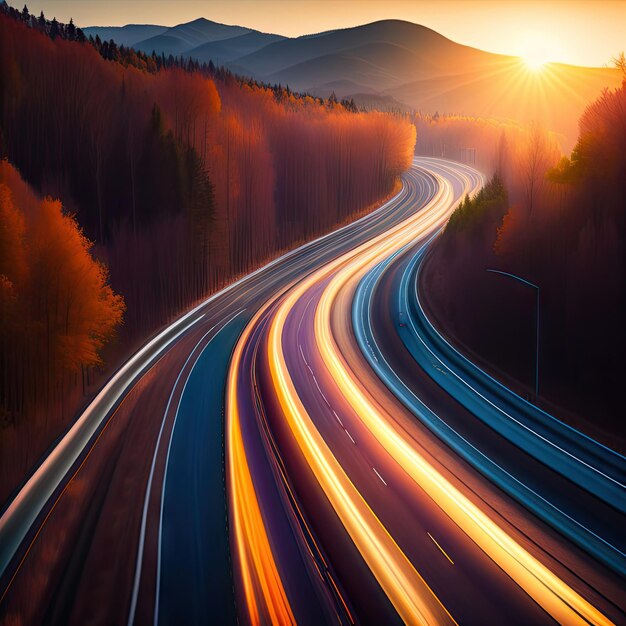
x,y
133,186
558,222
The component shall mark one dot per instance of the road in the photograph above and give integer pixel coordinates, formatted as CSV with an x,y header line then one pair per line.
x,y
251,462
392,524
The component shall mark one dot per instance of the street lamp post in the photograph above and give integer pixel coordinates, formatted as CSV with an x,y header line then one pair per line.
x,y
536,288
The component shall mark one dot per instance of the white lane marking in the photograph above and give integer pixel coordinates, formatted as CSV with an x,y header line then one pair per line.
x,y
303,357
144,517
306,308
442,550
320,389
349,435
337,416
167,459
382,480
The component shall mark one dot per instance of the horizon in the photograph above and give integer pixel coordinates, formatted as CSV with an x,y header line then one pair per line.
x,y
474,24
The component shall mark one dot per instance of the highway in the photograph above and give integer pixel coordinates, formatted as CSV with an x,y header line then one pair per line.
x,y
285,453
393,524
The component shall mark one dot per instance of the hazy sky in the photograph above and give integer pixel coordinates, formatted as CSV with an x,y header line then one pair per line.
x,y
578,32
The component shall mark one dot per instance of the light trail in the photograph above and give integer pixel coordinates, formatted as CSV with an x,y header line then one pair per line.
x,y
407,590
263,589
409,593
555,596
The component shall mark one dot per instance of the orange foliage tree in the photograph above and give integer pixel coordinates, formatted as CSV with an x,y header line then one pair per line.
x,y
57,307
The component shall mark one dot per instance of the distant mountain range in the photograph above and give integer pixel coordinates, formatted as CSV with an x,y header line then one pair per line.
x,y
387,64
201,39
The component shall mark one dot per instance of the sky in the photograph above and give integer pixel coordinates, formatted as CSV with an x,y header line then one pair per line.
x,y
578,32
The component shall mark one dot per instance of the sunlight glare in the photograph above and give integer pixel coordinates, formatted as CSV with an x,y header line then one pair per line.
x,y
534,60
537,49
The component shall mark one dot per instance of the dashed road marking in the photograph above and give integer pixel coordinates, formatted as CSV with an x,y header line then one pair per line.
x,y
442,550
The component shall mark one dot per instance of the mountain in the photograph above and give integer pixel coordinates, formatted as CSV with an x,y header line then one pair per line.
x,y
393,64
415,66
377,66
414,39
127,35
183,38
200,39
225,50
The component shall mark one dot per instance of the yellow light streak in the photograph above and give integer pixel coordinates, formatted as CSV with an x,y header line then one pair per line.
x,y
406,589
411,596
415,602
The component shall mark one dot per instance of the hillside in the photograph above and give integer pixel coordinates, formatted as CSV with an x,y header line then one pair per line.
x,y
562,233
225,50
128,35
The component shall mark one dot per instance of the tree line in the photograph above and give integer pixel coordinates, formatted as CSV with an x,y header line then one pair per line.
x,y
127,55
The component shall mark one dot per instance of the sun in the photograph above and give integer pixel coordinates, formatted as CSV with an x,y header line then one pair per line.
x,y
536,49
535,60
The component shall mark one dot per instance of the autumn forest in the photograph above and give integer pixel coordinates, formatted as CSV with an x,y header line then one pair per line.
x,y
156,183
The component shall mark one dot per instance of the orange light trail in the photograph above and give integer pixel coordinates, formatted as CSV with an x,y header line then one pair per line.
x,y
262,585
408,592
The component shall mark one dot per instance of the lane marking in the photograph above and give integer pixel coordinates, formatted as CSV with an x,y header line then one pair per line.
x,y
144,517
351,439
379,476
303,357
320,390
442,550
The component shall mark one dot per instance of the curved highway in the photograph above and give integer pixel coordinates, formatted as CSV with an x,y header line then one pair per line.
x,y
345,503
570,481
274,456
